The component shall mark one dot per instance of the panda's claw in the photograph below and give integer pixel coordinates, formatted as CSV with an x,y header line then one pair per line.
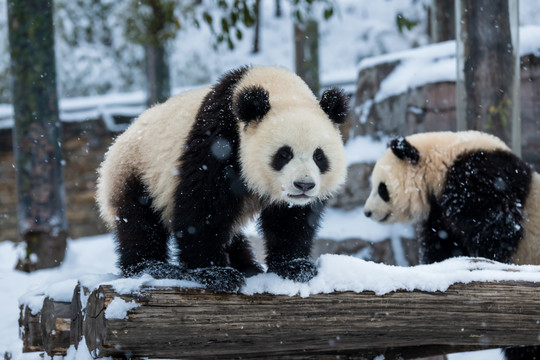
x,y
218,279
301,270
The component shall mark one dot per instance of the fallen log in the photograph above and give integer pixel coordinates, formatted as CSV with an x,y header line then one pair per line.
x,y
190,323
55,326
30,330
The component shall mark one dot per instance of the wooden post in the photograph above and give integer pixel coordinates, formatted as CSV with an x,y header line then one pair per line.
x,y
488,74
176,323
36,134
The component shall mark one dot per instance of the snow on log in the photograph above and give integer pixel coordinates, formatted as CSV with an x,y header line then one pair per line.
x,y
164,322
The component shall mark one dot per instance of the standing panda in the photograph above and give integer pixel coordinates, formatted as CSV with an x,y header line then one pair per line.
x,y
202,164
470,194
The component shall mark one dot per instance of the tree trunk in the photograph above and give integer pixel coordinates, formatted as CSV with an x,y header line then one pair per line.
x,y
442,25
257,32
488,68
306,44
157,74
36,134
278,9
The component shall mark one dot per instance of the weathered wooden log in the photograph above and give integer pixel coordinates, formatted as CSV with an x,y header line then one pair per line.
x,y
30,330
55,326
180,323
77,314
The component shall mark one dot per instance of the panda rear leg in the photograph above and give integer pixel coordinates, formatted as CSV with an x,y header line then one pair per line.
x,y
242,257
140,234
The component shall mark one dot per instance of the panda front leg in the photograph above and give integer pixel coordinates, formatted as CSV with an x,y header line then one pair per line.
x,y
202,224
289,232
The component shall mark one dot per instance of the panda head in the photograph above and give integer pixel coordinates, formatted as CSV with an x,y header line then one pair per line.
x,y
291,149
399,190
413,170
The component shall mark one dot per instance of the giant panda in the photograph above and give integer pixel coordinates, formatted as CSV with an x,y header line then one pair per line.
x,y
203,163
470,195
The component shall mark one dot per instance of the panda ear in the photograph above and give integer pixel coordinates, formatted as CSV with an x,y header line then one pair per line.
x,y
404,150
251,103
335,103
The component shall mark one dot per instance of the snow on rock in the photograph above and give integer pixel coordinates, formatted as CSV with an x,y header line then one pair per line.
x,y
433,63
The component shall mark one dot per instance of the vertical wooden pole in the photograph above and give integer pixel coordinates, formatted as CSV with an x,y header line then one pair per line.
x,y
488,73
36,134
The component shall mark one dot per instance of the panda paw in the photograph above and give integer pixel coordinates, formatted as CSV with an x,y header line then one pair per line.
x,y
156,269
254,269
218,279
301,270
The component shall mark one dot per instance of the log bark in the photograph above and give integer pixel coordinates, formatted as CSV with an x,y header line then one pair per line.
x,y
55,326
173,323
30,330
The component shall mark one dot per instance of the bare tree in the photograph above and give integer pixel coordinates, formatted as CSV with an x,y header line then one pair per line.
x,y
36,134
442,25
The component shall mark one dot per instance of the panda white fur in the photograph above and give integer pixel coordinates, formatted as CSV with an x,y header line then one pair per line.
x,y
470,194
198,166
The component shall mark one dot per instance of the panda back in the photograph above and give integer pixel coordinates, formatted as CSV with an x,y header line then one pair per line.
x,y
150,149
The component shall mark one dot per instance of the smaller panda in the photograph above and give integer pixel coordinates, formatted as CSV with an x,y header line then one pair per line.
x,y
200,165
468,192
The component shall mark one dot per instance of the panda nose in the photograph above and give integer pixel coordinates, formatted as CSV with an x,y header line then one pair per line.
x,y
367,213
304,186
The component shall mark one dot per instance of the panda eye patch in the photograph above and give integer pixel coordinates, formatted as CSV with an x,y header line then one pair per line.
x,y
282,157
383,192
321,160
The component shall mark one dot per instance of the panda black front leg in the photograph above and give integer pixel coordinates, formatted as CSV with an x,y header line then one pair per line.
x,y
206,208
289,232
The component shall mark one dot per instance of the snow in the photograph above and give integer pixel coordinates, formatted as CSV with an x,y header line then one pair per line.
x,y
92,262
433,63
118,308
365,149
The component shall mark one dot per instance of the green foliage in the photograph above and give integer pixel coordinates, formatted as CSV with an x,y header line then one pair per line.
x,y
152,22
403,22
305,9
231,16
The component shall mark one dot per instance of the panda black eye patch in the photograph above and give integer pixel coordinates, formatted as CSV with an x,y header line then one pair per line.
x,y
282,157
321,160
383,192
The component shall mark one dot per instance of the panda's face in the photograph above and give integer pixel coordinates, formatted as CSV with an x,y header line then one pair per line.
x,y
398,190
294,156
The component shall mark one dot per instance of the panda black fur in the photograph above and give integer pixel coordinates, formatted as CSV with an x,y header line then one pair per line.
x,y
198,166
470,194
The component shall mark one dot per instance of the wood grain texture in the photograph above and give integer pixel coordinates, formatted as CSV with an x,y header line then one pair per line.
x,y
30,330
174,323
55,326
